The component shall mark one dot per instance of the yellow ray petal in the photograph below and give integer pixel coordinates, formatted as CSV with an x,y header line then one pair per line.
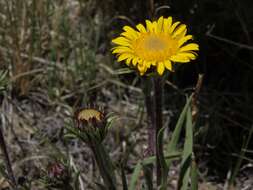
x,y
173,27
160,25
160,68
167,24
147,64
181,29
141,28
122,49
121,41
153,63
182,35
184,39
135,61
149,25
124,56
189,47
188,55
128,36
168,65
142,67
128,61
131,32
155,27
179,58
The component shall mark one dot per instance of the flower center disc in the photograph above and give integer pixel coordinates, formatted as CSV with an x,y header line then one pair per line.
x,y
154,43
153,47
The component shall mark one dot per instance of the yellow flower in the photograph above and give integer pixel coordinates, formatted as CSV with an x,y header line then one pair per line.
x,y
159,44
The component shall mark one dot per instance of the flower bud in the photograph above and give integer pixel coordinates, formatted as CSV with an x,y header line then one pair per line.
x,y
92,122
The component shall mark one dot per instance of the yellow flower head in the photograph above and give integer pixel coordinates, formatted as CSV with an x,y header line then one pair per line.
x,y
159,44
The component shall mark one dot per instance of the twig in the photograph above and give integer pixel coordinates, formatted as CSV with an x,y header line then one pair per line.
x,y
161,8
195,109
152,8
240,45
122,17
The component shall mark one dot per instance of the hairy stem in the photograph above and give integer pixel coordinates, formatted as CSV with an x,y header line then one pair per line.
x,y
148,88
150,103
158,126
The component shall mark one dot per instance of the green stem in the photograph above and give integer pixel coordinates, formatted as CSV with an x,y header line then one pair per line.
x,y
105,165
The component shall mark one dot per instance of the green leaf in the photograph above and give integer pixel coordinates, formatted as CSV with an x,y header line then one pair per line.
x,y
111,118
135,176
176,133
148,160
76,180
187,154
194,176
161,158
138,168
69,136
74,132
